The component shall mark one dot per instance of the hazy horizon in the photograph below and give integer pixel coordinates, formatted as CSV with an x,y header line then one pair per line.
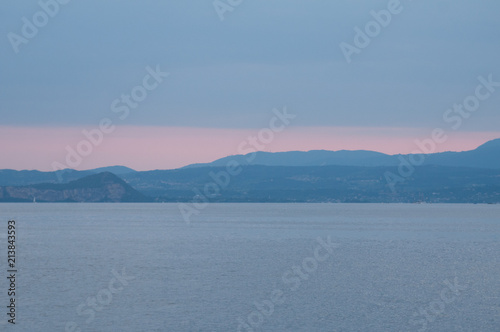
x,y
472,147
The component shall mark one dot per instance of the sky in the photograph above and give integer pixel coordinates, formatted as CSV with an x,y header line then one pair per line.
x,y
169,83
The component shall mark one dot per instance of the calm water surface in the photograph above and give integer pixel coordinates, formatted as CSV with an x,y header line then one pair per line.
x,y
260,267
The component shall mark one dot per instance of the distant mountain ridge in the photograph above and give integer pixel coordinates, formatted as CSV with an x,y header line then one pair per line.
x,y
355,176
118,170
485,156
9,177
302,158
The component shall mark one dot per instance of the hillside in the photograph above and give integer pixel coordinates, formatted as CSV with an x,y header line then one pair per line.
x,y
433,184
102,187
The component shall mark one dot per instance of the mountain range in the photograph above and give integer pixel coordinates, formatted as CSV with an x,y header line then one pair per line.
x,y
314,176
485,156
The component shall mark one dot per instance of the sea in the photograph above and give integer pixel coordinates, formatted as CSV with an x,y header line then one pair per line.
x,y
251,267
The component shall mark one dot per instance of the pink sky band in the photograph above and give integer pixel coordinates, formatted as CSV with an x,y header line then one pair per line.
x,y
147,148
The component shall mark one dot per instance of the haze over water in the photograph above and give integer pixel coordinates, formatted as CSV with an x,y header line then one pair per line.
x,y
391,268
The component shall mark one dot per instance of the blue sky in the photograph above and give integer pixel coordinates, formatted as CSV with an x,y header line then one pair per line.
x,y
229,74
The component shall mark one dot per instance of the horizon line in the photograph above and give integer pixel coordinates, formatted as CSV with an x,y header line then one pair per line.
x,y
257,151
